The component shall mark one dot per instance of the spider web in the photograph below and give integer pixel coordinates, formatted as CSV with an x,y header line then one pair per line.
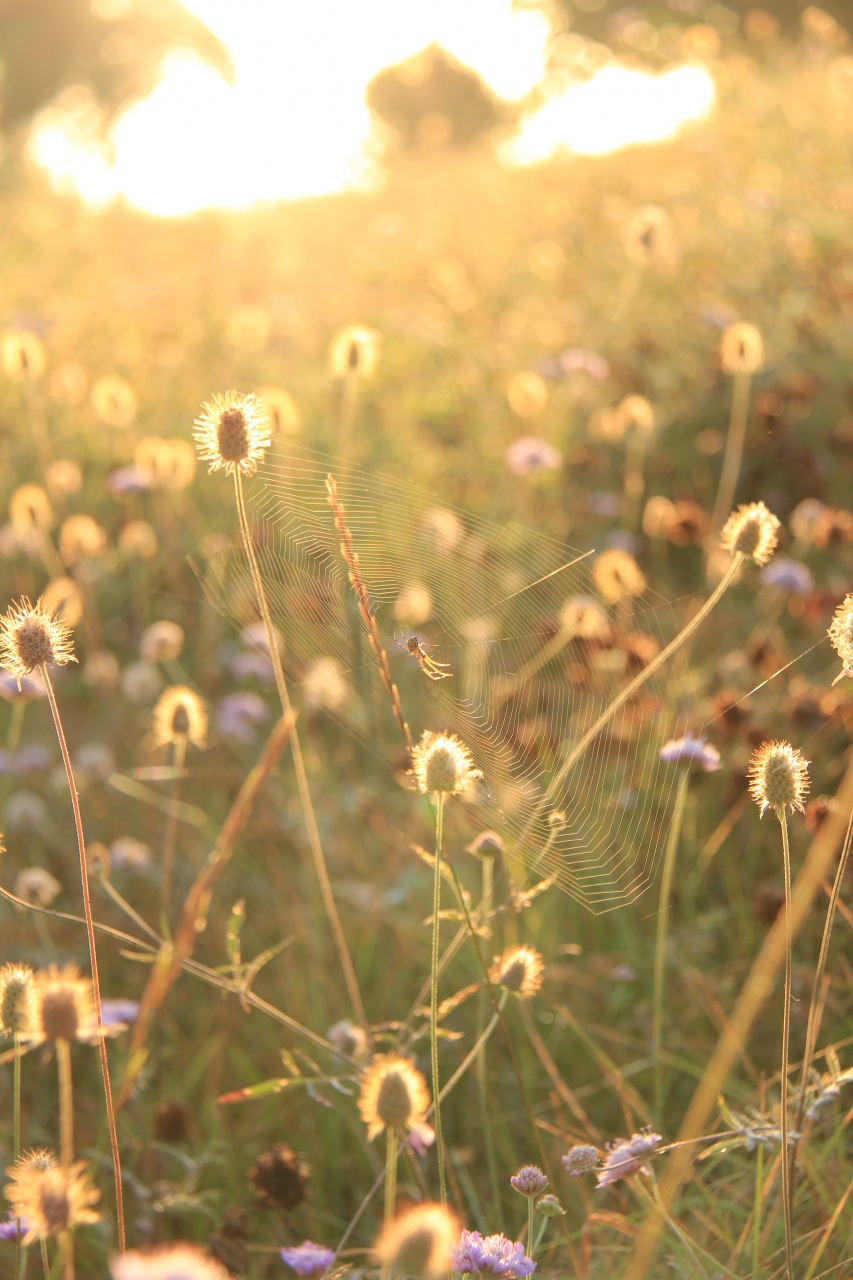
x,y
534,654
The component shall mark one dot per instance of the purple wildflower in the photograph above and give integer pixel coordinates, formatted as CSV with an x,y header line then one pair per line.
x,y
9,1228
529,1180
493,1256
529,453
420,1138
788,575
308,1258
127,481
239,715
251,665
692,751
118,1012
581,1159
627,1156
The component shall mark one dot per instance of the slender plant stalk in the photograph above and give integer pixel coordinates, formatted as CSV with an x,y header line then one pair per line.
x,y
299,767
756,1211
93,954
179,757
66,1246
20,1254
531,1243
634,483
660,945
488,866
45,1261
786,1030
734,452
66,1113
348,409
433,1032
475,1052
390,1185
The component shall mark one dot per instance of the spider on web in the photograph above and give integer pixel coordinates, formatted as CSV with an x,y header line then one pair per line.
x,y
414,646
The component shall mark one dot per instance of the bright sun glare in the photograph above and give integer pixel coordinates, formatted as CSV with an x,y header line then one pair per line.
x,y
294,122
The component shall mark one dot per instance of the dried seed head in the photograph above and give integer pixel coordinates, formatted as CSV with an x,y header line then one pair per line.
x,y
161,641
114,400
172,1262
232,433
354,350
32,637
30,508
778,778
581,1159
636,414
529,1180
841,636
179,716
16,999
281,409
741,349
519,969
81,538
22,355
441,763
49,1198
280,1177
419,1242
349,1038
618,576
752,531
63,1007
63,598
394,1095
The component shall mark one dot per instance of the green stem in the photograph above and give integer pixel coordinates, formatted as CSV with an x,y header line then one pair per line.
x,y
786,1028
390,1185
16,1106
436,907
299,766
476,1049
531,1244
660,946
45,1261
66,1112
93,953
179,757
756,1211
734,451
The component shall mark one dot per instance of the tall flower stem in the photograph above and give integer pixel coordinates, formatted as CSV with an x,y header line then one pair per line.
x,y
734,451
786,1028
45,1261
179,757
20,1254
66,1113
433,1022
390,1184
93,953
660,945
299,765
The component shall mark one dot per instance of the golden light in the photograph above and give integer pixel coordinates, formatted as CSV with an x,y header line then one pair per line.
x,y
294,122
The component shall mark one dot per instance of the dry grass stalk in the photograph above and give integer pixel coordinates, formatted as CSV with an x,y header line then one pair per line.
x,y
350,555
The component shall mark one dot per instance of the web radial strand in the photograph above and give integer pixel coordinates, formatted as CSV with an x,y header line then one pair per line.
x,y
533,651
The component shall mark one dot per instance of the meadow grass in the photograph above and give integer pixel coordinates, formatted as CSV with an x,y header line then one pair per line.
x,y
533,318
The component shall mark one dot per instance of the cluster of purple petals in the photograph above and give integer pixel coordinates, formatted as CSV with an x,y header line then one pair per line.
x,y
9,1228
492,1256
627,1156
308,1258
28,760
529,453
693,751
240,714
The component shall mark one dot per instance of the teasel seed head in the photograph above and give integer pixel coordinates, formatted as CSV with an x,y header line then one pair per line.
x,y
753,531
232,433
778,778
32,637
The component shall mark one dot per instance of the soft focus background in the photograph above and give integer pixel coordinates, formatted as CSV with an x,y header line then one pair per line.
x,y
533,211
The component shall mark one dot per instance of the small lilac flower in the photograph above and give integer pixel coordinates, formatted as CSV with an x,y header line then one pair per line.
x,y
420,1138
32,686
529,1180
9,1228
118,1012
493,1256
127,481
788,575
30,759
627,1156
250,664
581,1159
528,453
692,751
240,714
308,1258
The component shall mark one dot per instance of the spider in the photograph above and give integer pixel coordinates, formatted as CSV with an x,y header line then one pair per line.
x,y
414,646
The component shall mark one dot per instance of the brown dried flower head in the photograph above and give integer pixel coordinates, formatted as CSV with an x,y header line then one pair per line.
x,y
751,531
179,717
778,778
114,400
354,350
394,1095
232,433
618,576
63,1007
636,414
49,1198
31,637
22,355
741,348
841,636
30,508
16,999
81,538
419,1242
280,1177
441,763
519,969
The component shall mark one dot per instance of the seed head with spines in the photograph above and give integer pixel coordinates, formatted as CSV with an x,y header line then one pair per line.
x,y
778,778
841,636
32,637
232,433
443,764
753,531
394,1095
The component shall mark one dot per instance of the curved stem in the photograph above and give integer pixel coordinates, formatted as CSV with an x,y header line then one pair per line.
x,y
660,946
299,767
786,1028
436,907
93,953
66,1114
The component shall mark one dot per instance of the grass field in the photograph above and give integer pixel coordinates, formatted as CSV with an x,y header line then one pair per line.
x,y
504,307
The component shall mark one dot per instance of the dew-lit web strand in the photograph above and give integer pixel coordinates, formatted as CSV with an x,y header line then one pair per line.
x,y
298,550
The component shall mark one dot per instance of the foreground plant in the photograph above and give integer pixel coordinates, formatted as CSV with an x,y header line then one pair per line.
x,y
232,435
51,1199
419,1242
33,639
779,780
394,1097
442,767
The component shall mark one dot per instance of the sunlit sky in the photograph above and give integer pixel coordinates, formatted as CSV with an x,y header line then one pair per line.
x,y
294,122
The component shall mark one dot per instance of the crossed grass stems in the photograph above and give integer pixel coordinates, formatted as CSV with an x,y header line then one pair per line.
x,y
196,905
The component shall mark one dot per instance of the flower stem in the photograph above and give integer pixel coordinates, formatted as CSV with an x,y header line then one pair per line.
x,y
66,1113
756,1211
93,954
660,946
436,907
299,767
390,1182
786,1028
734,451
16,1107
531,1243
45,1261
179,757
